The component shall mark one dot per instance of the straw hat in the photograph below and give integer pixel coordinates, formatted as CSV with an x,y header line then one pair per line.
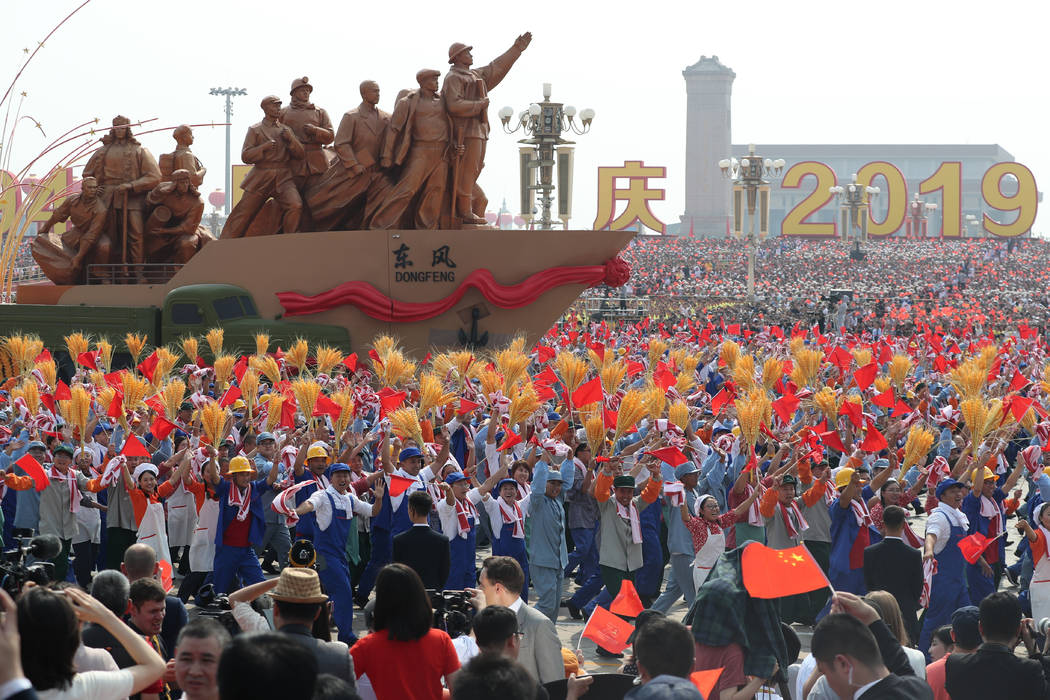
x,y
298,586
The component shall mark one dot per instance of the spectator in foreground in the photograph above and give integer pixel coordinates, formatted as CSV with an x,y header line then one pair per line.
x,y
405,657
420,547
140,561
993,670
942,643
197,652
501,581
859,656
266,665
664,653
49,626
965,636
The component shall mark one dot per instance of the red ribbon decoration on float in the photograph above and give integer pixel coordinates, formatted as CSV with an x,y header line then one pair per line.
x,y
374,303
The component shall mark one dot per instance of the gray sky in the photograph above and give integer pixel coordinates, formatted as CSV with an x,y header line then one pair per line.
x,y
807,72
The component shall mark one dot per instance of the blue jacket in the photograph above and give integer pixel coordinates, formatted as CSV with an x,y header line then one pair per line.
x,y
548,517
228,513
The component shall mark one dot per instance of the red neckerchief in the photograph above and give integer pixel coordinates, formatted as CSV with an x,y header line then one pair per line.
x,y
242,502
512,515
464,509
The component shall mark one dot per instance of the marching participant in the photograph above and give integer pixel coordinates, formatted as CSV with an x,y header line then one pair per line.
x,y
707,529
459,518
945,526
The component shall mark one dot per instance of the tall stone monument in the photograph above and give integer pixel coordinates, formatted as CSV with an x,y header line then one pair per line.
x,y
708,86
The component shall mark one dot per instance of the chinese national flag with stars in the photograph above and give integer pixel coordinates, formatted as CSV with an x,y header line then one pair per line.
x,y
775,573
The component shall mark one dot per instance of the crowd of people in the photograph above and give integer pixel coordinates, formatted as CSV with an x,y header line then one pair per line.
x,y
897,285
434,528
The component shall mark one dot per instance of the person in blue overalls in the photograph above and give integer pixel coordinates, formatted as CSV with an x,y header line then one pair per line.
x,y
507,518
983,507
459,522
945,526
334,509
393,519
312,469
241,524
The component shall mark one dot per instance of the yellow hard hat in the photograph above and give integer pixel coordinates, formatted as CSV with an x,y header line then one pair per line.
x,y
842,478
239,465
989,475
316,451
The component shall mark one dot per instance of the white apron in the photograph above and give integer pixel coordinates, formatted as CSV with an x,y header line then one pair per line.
x,y
152,532
182,517
705,559
202,548
1039,590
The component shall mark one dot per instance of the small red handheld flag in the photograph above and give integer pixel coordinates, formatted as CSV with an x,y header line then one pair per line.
x,y
775,573
162,427
627,601
670,454
972,546
705,680
399,484
133,447
35,471
865,375
588,393
390,401
511,440
607,631
148,365
230,396
466,406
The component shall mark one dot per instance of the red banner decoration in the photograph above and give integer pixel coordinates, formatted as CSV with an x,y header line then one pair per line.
x,y
377,305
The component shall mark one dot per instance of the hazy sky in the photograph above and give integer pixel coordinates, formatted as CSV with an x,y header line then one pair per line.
x,y
807,72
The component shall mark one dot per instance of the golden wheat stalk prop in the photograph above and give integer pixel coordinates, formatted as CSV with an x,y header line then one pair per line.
x,y
274,404
655,400
191,348
432,394
345,401
632,409
678,414
512,365
49,372
79,410
171,395
975,413
298,354
214,338
729,354
772,371
266,366
223,371
76,343
656,350
523,403
612,375
213,421
826,402
306,392
571,369
135,343
249,386
105,354
594,427
405,423
326,359
917,446
166,360
262,343
900,366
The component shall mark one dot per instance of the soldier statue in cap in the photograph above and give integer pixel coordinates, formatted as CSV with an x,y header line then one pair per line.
x,y
126,172
313,128
272,149
182,157
63,258
466,90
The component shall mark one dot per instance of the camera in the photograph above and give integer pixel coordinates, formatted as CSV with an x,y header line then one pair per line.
x,y
217,607
302,554
453,611
14,572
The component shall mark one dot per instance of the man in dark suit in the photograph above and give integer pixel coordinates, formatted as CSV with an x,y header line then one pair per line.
x,y
994,671
861,658
425,551
893,566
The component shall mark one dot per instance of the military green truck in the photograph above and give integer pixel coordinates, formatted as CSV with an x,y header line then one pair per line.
x,y
190,310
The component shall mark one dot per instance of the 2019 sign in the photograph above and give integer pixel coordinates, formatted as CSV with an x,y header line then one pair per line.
x,y
946,180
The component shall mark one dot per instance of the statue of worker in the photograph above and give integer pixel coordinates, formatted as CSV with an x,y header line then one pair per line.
x,y
182,157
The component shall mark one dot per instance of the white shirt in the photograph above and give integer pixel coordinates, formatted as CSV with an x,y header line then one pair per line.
x,y
249,620
447,514
516,605
941,526
863,689
466,648
94,685
343,501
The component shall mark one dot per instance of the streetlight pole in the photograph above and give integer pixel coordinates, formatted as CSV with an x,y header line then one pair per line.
x,y
545,122
751,202
228,93
854,201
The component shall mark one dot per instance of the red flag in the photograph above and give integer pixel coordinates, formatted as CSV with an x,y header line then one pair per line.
x,y
627,601
156,404
161,427
390,401
607,631
62,392
466,406
288,409
509,441
399,484
884,400
148,365
165,575
832,440
116,406
733,329
547,377
865,375
719,401
88,359
663,379
634,367
705,680
1019,406
230,396
785,407
375,357
114,379
874,441
44,356
35,471
901,409
544,354
994,371
670,454
972,546
854,412
350,362
240,368
326,407
588,392
775,573
133,447
1018,382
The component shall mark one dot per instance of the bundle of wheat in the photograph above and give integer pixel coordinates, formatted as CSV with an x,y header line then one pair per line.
x,y
632,409
917,446
214,337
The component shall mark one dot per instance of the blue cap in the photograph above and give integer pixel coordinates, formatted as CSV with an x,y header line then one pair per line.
x,y
684,469
720,428
945,485
554,416
506,481
36,444
453,477
98,429
338,467
266,436
408,453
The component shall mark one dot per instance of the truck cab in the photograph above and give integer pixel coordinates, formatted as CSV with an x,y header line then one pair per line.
x,y
195,308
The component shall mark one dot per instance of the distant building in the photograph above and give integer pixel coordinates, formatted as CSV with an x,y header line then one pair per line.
x,y
707,204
